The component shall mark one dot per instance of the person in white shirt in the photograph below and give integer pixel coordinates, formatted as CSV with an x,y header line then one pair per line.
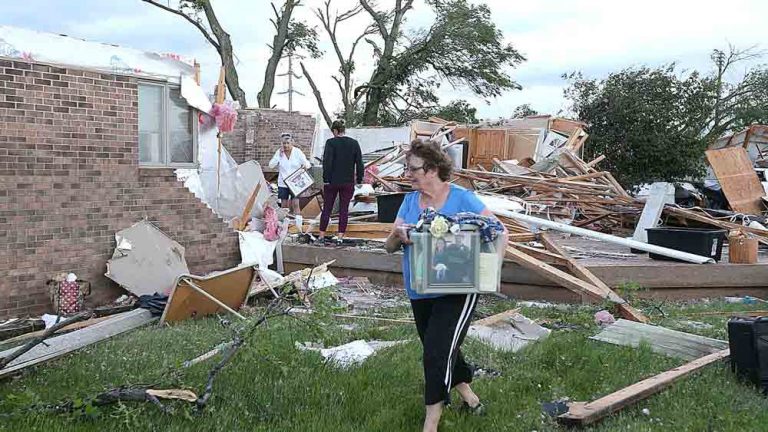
x,y
288,159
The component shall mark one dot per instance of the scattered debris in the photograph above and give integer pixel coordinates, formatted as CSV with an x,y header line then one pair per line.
x,y
60,345
604,318
582,414
661,340
349,354
508,331
198,296
146,260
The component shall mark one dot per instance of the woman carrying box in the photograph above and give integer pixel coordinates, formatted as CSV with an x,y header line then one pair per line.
x,y
441,320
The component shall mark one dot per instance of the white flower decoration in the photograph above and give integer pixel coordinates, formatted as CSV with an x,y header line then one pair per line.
x,y
438,227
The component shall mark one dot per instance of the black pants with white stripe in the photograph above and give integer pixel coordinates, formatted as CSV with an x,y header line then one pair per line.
x,y
442,323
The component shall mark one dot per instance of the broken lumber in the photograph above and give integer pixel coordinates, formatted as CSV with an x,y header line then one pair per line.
x,y
60,345
582,414
555,275
625,310
243,221
5,360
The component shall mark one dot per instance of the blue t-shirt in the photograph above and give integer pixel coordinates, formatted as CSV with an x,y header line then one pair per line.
x,y
459,200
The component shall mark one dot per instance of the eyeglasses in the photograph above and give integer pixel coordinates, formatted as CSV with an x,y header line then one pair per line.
x,y
413,169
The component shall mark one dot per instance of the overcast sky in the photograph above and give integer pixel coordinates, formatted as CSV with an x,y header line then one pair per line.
x,y
557,36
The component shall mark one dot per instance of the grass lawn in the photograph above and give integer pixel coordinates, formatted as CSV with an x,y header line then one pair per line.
x,y
271,386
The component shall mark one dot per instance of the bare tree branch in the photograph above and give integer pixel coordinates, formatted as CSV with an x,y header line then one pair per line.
x,y
188,18
377,18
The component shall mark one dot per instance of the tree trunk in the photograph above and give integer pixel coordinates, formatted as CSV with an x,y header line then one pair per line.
x,y
316,92
225,52
278,44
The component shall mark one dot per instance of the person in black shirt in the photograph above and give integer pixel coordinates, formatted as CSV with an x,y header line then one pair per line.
x,y
342,170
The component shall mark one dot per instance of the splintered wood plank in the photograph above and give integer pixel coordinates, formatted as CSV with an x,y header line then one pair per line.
x,y
582,414
60,345
661,340
558,276
738,179
584,274
230,287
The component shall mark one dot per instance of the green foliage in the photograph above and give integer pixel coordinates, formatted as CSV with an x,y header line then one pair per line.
x,y
524,110
645,122
302,37
653,124
463,48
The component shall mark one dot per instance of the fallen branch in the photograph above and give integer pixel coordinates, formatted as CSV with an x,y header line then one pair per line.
x,y
45,335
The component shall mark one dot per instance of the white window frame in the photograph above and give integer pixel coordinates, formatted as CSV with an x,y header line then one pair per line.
x,y
167,87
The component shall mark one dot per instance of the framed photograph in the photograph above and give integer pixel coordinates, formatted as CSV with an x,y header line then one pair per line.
x,y
299,181
452,262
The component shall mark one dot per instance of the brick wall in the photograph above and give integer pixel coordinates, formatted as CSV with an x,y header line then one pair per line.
x,y
69,179
257,134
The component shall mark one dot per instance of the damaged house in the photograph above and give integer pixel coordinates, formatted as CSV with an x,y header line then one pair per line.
x,y
90,138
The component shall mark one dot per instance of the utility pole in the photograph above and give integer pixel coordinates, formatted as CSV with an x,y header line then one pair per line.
x,y
291,75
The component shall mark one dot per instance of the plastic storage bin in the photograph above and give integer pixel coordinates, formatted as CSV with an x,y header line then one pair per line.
x,y
455,263
699,241
388,205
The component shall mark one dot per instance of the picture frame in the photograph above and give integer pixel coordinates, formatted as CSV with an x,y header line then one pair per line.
x,y
453,261
299,181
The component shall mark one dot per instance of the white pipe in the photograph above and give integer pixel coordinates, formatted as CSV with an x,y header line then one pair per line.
x,y
672,253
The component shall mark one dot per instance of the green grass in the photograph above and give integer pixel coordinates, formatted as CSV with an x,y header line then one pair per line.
x,y
271,386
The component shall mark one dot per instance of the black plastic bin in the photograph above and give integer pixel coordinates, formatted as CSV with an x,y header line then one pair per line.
x,y
388,206
699,241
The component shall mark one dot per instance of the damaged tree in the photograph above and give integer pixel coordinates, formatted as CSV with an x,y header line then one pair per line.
x,y
462,47
345,82
290,35
190,10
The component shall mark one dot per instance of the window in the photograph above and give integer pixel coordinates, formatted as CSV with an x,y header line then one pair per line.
x,y
167,127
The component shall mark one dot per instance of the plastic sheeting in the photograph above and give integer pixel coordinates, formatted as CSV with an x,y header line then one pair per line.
x,y
237,182
31,45
254,248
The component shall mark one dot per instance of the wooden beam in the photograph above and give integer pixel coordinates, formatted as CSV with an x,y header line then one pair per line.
x,y
558,276
625,310
541,254
243,222
595,161
221,93
582,414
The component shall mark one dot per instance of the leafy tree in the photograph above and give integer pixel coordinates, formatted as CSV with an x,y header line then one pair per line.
x,y
524,110
462,47
653,124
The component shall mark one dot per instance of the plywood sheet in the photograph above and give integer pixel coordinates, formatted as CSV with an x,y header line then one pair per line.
x,y
230,287
738,179
661,340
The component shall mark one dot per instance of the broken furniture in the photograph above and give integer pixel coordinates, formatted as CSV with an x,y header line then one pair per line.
x,y
198,296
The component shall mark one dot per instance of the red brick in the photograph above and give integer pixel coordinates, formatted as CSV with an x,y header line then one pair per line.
x,y
70,179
